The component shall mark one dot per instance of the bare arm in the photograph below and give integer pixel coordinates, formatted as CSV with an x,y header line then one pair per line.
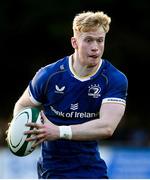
x,y
24,101
110,116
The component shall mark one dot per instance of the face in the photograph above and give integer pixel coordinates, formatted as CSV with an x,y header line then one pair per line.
x,y
89,47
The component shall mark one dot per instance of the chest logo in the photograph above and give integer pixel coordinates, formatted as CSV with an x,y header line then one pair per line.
x,y
94,91
59,89
74,106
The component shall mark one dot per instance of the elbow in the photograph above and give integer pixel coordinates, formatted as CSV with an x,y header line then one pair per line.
x,y
108,132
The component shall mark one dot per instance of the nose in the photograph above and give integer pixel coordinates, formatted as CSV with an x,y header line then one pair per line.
x,y
94,46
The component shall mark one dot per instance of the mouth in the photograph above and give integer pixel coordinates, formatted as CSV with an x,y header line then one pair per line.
x,y
94,56
93,61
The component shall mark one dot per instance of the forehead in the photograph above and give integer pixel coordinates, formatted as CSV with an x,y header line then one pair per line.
x,y
93,33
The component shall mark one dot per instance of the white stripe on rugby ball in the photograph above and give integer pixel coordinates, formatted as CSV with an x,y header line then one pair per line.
x,y
16,137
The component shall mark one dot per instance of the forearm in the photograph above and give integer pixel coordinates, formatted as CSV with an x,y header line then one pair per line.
x,y
17,108
91,130
110,116
101,128
23,102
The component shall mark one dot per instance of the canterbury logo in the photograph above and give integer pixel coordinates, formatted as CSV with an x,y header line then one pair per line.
x,y
59,90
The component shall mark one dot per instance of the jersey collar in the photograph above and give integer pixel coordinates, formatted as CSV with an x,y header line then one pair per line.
x,y
82,78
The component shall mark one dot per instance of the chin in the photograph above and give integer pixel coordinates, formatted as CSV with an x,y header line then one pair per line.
x,y
91,65
94,63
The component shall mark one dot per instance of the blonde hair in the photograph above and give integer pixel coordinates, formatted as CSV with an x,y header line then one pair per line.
x,y
87,21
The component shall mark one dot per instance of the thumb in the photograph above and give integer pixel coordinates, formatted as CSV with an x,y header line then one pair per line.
x,y
43,118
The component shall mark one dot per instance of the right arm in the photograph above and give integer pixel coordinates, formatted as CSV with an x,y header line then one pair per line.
x,y
23,102
37,85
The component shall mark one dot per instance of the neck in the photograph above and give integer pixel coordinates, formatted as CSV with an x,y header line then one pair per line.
x,y
82,70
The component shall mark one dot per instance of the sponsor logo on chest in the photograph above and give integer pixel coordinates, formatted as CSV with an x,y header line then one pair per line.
x,y
93,91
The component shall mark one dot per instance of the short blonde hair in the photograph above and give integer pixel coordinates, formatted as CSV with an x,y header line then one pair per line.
x,y
86,21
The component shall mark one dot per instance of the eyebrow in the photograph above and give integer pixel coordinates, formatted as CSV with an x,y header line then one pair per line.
x,y
101,37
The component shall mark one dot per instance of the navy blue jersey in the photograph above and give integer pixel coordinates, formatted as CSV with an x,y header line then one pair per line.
x,y
67,100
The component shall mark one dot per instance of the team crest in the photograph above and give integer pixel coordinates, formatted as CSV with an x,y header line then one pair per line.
x,y
94,91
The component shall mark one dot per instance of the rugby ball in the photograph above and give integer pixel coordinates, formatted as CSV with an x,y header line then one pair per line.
x,y
16,138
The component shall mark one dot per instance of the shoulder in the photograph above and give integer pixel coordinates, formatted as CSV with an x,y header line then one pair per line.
x,y
115,76
45,72
56,66
117,84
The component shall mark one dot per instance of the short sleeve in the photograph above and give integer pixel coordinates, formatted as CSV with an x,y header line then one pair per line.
x,y
37,87
117,89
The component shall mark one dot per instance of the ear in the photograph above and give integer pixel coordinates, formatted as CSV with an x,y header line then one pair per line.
x,y
74,43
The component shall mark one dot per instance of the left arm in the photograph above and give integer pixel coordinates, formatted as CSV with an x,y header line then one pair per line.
x,y
110,116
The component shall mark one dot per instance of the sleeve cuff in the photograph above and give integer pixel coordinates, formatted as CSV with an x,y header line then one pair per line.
x,y
33,100
114,100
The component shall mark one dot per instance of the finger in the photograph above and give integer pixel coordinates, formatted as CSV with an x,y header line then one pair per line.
x,y
36,137
40,136
6,132
33,125
37,143
29,132
44,118
42,115
33,138
34,131
6,139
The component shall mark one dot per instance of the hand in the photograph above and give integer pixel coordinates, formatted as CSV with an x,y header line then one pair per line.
x,y
6,132
42,132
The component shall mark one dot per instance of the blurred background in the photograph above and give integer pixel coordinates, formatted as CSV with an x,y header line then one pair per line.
x,y
35,33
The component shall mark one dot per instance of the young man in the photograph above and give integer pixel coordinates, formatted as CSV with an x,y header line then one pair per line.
x,y
83,98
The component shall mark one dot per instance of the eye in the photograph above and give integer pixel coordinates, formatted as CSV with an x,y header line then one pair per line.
x,y
100,40
88,40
